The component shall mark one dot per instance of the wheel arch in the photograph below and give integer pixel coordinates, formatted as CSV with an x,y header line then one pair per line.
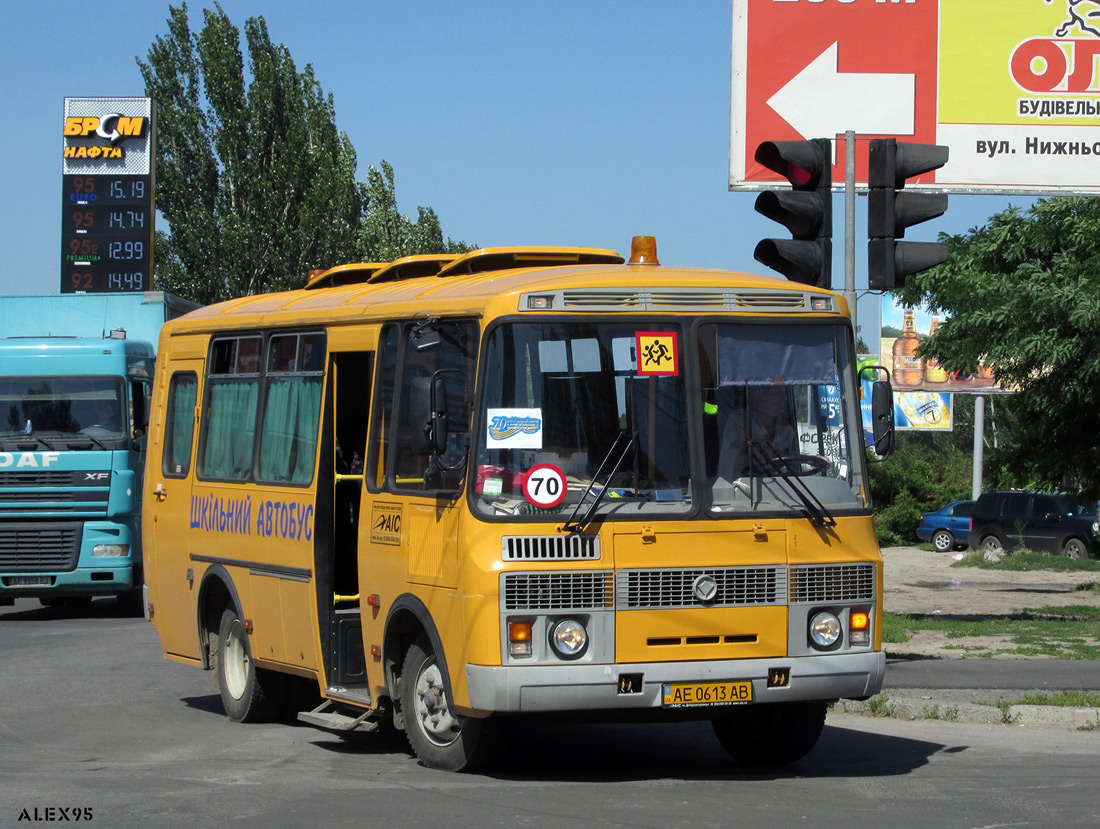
x,y
216,592
407,619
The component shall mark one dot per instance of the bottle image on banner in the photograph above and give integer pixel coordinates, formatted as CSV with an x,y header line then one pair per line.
x,y
925,410
985,372
933,371
908,367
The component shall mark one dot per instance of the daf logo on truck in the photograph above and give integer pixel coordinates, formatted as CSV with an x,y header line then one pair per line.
x,y
27,459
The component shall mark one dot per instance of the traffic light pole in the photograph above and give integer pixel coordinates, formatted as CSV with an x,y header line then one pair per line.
x,y
850,226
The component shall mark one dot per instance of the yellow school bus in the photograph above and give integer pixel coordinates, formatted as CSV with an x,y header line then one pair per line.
x,y
455,490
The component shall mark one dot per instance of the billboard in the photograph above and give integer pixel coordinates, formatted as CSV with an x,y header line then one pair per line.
x,y
1013,88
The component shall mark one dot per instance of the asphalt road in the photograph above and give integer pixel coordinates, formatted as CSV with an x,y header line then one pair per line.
x,y
96,724
1048,675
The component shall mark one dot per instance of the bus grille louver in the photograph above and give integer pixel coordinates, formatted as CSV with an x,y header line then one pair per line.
x,y
736,587
558,591
683,300
833,583
550,548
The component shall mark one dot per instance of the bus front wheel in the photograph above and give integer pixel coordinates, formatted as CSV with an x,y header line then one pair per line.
x,y
249,694
441,738
772,734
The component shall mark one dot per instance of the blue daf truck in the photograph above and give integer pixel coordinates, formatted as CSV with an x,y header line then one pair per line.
x,y
76,377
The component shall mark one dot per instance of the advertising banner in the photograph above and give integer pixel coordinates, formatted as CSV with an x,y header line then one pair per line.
x,y
1012,88
903,329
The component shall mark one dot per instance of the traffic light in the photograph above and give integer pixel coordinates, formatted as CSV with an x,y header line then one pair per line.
x,y
806,210
890,211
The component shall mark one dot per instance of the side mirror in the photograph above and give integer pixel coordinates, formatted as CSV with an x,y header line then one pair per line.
x,y
428,412
882,417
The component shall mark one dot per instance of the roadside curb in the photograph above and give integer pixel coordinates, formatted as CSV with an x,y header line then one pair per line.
x,y
971,706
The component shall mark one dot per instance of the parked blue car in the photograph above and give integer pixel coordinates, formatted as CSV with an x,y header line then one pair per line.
x,y
946,528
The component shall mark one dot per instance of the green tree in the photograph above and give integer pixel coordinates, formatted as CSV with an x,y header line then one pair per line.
x,y
1023,295
386,234
925,472
255,181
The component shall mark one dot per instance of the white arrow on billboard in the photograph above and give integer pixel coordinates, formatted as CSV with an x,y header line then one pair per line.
x,y
820,101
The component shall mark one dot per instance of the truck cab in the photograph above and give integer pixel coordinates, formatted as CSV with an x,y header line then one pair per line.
x,y
73,417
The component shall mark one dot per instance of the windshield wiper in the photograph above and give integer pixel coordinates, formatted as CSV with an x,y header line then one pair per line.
x,y
818,512
19,438
573,527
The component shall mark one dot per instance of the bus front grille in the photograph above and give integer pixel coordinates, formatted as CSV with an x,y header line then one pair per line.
x,y
558,591
702,587
833,583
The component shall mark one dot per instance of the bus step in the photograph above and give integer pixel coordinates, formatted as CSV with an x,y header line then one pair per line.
x,y
332,716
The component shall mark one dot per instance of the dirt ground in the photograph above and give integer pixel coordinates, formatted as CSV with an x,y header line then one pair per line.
x,y
923,581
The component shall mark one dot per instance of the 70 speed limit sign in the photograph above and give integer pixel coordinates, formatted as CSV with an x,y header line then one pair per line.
x,y
544,486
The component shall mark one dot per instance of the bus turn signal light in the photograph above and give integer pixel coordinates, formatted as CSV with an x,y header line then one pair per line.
x,y
859,628
519,637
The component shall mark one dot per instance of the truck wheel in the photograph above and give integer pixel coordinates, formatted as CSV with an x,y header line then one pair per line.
x,y
772,734
441,738
249,694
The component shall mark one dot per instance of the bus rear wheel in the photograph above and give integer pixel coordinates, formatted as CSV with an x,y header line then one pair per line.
x,y
773,734
440,738
249,694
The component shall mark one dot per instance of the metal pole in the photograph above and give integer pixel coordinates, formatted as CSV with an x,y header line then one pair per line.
x,y
850,225
979,446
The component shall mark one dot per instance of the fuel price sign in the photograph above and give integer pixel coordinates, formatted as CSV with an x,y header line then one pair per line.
x,y
107,233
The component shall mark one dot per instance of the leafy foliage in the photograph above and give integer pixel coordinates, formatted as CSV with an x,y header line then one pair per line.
x,y
1023,294
386,235
922,475
256,182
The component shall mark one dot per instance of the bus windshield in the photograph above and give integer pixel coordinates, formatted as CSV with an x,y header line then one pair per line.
x,y
568,396
65,408
779,417
775,420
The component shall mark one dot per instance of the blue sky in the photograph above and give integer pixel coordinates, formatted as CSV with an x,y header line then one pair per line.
x,y
569,122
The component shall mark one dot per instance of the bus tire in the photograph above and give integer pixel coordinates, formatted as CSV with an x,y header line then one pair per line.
x,y
440,738
772,734
249,694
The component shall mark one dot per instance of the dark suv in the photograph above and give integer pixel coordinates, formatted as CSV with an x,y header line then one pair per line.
x,y
1035,520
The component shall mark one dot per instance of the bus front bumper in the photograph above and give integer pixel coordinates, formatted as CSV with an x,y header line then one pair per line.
x,y
521,689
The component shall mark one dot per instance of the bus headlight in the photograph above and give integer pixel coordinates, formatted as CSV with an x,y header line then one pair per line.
x,y
111,550
569,639
824,629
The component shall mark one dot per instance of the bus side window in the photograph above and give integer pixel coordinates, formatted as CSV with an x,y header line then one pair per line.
x,y
445,349
179,425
